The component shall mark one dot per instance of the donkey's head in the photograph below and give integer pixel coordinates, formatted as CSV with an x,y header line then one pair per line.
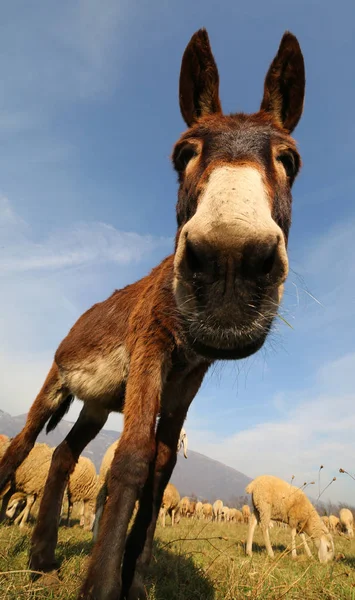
x,y
234,202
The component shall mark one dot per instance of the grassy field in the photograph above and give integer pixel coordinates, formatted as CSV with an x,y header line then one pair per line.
x,y
192,561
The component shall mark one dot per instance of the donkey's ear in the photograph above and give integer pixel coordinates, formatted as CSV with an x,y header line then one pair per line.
x,y
199,80
285,83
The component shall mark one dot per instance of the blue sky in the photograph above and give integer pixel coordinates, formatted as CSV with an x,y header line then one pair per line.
x,y
88,117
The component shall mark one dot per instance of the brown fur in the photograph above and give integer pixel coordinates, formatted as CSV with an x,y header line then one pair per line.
x,y
143,351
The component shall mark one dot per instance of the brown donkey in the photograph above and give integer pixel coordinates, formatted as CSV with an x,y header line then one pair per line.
x,y
146,349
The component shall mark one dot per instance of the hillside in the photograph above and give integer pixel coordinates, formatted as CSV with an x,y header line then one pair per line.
x,y
199,475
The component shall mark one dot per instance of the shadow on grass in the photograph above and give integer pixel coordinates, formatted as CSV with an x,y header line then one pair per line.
x,y
72,547
349,561
21,545
260,548
170,576
176,577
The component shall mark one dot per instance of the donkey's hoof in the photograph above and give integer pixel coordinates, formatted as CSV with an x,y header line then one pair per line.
x,y
137,590
49,580
40,567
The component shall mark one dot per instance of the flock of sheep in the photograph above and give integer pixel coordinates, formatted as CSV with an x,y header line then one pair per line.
x,y
30,478
274,502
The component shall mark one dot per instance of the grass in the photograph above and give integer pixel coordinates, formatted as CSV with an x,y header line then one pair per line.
x,y
192,561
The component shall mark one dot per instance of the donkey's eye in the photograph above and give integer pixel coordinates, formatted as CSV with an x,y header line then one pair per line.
x,y
183,156
288,162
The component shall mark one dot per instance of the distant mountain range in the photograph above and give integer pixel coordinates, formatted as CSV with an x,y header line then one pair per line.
x,y
197,475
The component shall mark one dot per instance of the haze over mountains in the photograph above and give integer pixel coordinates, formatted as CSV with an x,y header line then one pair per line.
x,y
197,475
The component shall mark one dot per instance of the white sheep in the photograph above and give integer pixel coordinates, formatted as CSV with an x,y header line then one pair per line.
x,y
198,510
334,523
346,519
276,499
325,520
83,487
18,504
217,510
30,479
192,509
8,490
246,513
225,513
235,515
207,510
232,515
103,486
184,506
170,504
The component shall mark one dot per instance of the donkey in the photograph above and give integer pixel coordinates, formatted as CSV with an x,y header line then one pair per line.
x,y
145,350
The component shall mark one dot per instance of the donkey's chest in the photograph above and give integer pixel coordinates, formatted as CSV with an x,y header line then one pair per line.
x,y
102,378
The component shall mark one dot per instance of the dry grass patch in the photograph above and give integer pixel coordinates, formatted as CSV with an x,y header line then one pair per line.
x,y
193,561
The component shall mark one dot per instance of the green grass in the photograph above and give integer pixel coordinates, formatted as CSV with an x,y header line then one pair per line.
x,y
192,561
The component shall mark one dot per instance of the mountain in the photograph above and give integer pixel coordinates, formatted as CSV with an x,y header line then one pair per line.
x,y
197,475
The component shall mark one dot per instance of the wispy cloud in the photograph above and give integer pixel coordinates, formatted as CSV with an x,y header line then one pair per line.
x,y
314,427
79,244
43,283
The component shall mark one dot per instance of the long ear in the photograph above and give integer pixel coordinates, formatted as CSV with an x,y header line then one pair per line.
x,y
199,80
285,83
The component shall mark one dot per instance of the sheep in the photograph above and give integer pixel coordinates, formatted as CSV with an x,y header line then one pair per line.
x,y
103,486
104,474
239,516
4,443
17,506
246,513
325,520
207,510
83,487
217,510
192,509
30,479
276,499
232,515
7,492
170,504
346,519
235,515
198,510
334,523
225,514
184,506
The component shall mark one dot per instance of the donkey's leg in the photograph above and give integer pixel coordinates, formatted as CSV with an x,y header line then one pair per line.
x,y
65,456
140,541
128,473
51,396
70,507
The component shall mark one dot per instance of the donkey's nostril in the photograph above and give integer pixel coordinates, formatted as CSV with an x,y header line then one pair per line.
x,y
195,258
259,259
268,262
